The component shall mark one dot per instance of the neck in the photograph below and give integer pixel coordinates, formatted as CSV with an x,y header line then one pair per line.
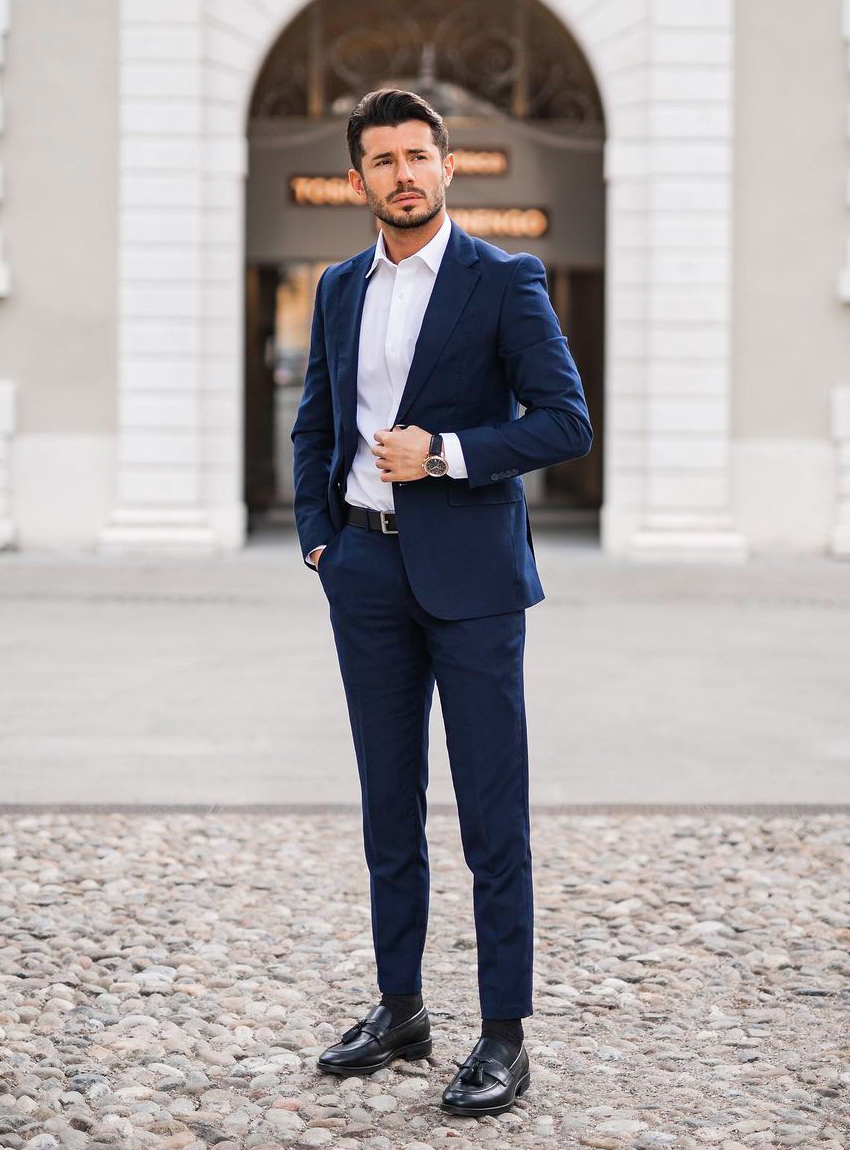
x,y
403,242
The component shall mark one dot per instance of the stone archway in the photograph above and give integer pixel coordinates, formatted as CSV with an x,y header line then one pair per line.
x,y
514,88
187,74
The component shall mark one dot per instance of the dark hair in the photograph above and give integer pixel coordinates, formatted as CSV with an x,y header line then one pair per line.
x,y
386,108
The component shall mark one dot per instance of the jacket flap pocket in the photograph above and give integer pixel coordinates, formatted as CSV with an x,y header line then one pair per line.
x,y
460,494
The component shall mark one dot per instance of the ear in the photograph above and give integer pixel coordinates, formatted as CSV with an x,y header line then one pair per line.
x,y
356,182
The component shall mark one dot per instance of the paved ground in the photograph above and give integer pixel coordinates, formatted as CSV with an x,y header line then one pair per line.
x,y
179,681
168,978
168,982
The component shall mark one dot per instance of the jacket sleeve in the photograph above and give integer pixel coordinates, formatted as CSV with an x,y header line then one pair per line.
x,y
313,440
543,376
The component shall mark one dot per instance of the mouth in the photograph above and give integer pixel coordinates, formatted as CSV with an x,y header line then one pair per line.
x,y
409,199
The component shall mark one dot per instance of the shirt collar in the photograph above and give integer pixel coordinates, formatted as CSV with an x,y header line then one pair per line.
x,y
431,254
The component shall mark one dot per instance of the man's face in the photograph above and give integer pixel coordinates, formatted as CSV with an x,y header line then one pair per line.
x,y
403,179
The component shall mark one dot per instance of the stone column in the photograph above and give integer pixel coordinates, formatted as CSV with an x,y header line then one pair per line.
x,y
688,154
161,282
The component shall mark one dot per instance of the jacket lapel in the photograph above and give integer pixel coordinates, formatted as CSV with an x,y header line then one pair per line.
x,y
351,292
456,278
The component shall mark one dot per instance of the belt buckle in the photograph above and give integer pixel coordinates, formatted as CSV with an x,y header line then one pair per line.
x,y
384,529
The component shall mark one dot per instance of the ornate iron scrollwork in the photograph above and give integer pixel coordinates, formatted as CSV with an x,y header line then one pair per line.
x,y
509,56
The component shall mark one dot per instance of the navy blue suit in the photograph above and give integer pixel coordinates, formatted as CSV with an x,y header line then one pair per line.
x,y
443,600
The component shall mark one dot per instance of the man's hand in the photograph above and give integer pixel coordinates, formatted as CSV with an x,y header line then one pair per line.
x,y
315,553
400,452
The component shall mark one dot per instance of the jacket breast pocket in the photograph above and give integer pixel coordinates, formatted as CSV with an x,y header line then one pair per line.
x,y
460,494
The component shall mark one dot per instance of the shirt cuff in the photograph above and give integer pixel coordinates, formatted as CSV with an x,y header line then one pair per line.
x,y
454,456
307,558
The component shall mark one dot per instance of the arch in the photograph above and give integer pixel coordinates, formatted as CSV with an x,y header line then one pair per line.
x,y
443,39
282,13
665,85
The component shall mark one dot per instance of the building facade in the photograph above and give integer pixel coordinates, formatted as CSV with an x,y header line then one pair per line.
x,y
172,183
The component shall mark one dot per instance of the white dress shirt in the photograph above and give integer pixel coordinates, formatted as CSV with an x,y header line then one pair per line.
x,y
396,298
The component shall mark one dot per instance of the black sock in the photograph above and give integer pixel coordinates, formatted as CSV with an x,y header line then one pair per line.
x,y
507,1030
403,1006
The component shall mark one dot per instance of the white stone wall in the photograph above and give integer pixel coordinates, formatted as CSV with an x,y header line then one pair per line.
x,y
841,394
841,434
791,332
784,494
58,214
7,391
844,275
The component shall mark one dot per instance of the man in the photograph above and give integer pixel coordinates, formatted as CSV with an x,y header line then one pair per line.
x,y
408,503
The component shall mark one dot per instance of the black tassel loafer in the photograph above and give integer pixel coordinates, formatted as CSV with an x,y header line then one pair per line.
x,y
487,1082
374,1042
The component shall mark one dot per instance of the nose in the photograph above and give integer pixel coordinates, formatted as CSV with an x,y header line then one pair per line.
x,y
405,172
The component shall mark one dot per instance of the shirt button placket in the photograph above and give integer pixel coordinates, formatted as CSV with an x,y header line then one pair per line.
x,y
395,325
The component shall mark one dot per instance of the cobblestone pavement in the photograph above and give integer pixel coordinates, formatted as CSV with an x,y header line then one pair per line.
x,y
169,980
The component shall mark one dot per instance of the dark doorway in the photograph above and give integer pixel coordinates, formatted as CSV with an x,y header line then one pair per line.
x,y
279,307
578,297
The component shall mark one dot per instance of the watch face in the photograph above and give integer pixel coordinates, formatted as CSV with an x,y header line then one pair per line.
x,y
436,465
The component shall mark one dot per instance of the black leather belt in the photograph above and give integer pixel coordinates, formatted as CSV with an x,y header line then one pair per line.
x,y
370,520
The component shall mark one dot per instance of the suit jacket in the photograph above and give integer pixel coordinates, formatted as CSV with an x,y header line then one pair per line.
x,y
489,338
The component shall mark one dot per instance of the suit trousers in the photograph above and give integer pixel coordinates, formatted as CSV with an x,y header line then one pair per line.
x,y
391,652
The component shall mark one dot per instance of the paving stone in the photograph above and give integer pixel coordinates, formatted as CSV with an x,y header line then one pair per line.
x,y
169,980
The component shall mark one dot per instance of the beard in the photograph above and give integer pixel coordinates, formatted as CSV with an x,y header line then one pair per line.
x,y
411,216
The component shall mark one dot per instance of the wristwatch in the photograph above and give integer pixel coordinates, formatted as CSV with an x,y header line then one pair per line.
x,y
435,462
